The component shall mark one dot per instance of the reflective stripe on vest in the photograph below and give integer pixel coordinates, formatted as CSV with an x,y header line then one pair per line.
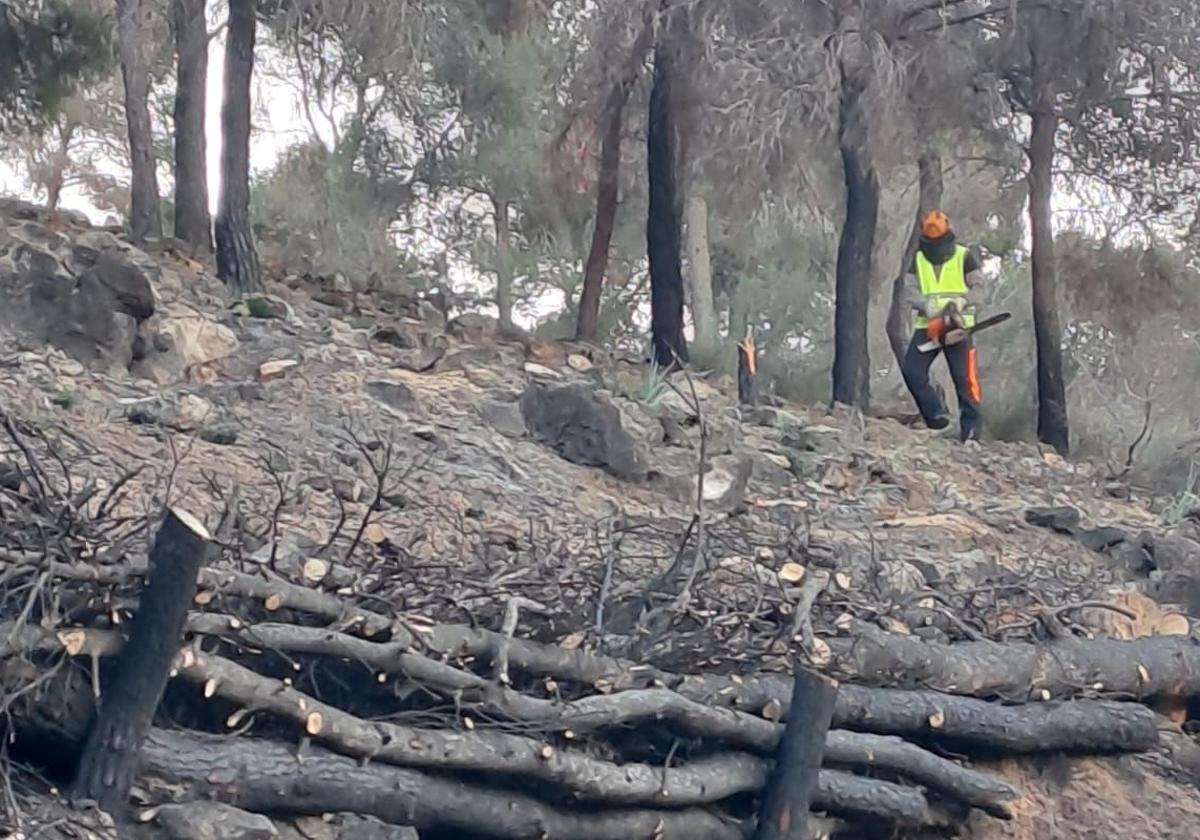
x,y
940,285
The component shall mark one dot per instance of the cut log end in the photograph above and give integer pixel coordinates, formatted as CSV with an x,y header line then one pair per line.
x,y
190,522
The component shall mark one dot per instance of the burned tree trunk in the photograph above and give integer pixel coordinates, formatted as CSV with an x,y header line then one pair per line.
x,y
663,237
145,219
193,224
704,311
608,190
899,323
1052,397
113,745
851,355
237,260
607,194
789,791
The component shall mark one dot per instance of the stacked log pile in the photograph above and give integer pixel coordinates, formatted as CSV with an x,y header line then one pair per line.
x,y
287,698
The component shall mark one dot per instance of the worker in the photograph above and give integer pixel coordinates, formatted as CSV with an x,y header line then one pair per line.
x,y
942,287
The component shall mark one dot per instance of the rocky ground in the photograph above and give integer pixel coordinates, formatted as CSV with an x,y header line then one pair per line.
x,y
449,471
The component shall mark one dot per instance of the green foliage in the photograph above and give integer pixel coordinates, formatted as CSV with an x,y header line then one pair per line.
x,y
654,385
46,50
314,212
1186,502
65,399
782,285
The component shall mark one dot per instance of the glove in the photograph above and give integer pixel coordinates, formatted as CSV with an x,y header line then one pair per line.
x,y
936,328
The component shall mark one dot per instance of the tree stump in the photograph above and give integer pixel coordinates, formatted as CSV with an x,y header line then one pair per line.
x,y
113,744
783,814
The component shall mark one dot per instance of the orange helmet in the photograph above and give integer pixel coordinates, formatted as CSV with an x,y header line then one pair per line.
x,y
935,225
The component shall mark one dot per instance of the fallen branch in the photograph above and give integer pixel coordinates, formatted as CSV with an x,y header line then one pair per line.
x,y
699,782
1093,726
838,792
589,714
265,777
1138,668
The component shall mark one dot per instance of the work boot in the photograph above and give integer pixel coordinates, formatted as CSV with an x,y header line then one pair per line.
x,y
938,424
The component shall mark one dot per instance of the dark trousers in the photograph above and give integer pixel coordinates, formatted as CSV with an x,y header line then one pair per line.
x,y
961,360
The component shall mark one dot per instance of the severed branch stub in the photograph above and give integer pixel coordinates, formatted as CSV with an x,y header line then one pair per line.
x,y
783,814
747,369
113,744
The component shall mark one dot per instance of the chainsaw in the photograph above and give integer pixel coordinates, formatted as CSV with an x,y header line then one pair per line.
x,y
957,332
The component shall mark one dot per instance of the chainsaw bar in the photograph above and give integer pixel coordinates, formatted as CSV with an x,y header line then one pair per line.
x,y
959,335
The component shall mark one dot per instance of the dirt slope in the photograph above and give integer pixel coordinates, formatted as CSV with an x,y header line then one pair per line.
x,y
446,468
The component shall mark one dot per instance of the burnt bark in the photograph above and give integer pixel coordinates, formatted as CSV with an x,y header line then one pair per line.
x,y
899,323
783,813
1097,726
1052,396
193,224
607,196
113,744
237,260
851,354
663,235
1137,669
271,780
145,217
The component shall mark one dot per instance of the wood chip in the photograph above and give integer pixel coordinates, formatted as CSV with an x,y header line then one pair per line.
x,y
187,658
468,724
822,654
210,689
1143,674
235,719
773,710
842,580
573,641
313,723
204,597
792,573
375,534
73,641
275,369
147,815
1173,624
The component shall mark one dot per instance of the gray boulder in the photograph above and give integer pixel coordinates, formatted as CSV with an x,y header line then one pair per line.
x,y
585,427
212,821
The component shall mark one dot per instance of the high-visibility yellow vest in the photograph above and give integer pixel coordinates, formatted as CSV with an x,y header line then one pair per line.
x,y
941,284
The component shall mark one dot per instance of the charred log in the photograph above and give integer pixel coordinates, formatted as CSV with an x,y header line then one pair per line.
x,y
1135,669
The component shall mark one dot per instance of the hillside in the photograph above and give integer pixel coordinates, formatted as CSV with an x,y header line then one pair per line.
x,y
446,472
